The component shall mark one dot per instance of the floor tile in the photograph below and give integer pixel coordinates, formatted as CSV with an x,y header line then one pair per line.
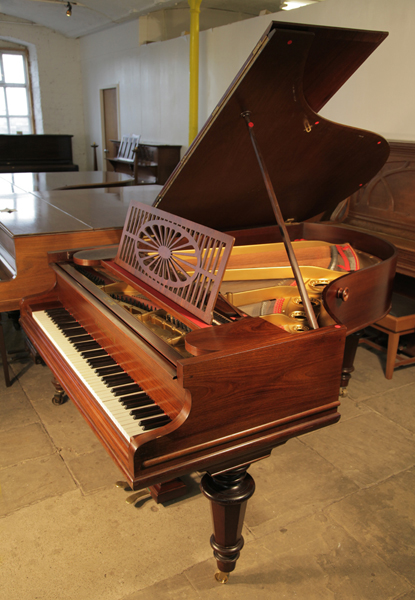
x,y
383,518
94,470
174,588
31,481
24,443
397,405
293,482
366,449
15,409
368,378
97,547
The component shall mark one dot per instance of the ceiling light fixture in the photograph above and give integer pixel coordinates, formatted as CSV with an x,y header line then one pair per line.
x,y
69,10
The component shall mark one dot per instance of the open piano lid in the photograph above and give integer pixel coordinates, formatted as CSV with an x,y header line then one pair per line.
x,y
313,163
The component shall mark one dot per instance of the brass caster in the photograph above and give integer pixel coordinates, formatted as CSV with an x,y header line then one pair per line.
x,y
343,392
58,399
221,577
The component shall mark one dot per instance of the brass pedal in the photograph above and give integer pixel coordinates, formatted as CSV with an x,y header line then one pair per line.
x,y
132,499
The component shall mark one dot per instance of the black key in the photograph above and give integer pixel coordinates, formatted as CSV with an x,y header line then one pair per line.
x,y
137,402
148,424
76,339
63,319
137,396
126,389
67,326
82,346
102,371
116,379
74,331
101,361
93,353
141,413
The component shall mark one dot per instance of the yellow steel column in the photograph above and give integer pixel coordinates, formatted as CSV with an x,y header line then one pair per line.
x,y
194,68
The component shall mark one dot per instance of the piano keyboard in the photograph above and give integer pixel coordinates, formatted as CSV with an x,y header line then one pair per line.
x,y
128,406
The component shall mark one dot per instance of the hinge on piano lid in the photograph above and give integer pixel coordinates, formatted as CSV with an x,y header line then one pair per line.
x,y
61,255
67,255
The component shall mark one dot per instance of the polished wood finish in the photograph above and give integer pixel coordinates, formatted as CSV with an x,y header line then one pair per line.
x,y
228,493
152,163
246,386
70,180
385,205
370,289
45,222
206,431
313,163
170,490
34,153
160,252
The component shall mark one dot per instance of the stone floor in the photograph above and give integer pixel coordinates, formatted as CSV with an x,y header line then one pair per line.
x,y
333,515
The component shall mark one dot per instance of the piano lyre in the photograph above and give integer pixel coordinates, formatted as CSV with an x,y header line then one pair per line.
x,y
182,350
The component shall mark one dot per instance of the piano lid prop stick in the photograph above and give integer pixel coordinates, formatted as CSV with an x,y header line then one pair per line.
x,y
280,221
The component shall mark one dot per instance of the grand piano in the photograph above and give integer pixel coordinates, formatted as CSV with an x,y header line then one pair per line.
x,y
195,344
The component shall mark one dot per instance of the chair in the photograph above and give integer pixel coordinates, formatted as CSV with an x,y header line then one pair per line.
x,y
400,321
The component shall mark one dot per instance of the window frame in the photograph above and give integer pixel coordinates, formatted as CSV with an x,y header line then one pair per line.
x,y
27,86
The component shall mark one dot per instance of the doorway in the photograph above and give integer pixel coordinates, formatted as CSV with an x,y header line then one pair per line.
x,y
110,120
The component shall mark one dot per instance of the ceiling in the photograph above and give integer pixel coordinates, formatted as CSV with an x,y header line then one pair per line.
x,y
90,16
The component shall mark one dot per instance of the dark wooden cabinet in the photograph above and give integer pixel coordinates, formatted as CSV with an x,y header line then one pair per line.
x,y
155,162
386,205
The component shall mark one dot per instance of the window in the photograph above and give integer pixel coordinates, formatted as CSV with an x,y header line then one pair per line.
x,y
15,113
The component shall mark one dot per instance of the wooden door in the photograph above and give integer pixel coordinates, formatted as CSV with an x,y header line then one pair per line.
x,y
110,123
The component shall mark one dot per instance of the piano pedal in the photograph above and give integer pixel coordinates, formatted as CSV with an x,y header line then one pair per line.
x,y
160,492
124,485
132,499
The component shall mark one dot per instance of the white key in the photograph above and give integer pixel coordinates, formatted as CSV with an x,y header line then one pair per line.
x,y
109,402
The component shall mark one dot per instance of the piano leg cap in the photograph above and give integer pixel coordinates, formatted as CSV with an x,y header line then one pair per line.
x,y
221,577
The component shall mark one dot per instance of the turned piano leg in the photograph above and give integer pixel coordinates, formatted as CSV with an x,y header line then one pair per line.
x,y
228,493
352,341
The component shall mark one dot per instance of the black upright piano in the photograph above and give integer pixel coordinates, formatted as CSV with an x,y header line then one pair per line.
x,y
36,153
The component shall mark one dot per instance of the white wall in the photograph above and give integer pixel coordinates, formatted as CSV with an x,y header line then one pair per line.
x,y
154,79
55,61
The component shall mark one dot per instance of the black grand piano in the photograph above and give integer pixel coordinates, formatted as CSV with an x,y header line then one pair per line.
x,y
217,329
